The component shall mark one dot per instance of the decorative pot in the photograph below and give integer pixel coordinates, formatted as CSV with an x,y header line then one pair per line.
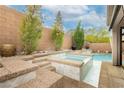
x,y
8,50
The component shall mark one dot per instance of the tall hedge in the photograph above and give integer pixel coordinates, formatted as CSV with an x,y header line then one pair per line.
x,y
57,32
31,28
78,36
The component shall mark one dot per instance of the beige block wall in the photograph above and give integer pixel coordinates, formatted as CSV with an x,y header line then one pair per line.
x,y
102,47
9,26
46,43
67,42
10,21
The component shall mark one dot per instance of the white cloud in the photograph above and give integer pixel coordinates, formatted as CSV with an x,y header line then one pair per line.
x,y
94,19
68,9
68,12
76,13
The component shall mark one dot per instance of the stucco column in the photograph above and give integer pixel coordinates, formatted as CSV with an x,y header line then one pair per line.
x,y
116,46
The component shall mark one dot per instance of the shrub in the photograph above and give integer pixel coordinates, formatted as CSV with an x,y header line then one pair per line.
x,y
57,32
78,36
94,39
31,29
101,36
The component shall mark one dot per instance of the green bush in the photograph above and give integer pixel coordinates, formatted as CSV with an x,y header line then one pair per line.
x,y
101,36
57,32
31,29
78,36
94,39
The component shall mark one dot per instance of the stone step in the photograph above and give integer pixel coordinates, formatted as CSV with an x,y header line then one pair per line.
x,y
43,63
46,65
15,68
35,60
44,79
28,57
51,68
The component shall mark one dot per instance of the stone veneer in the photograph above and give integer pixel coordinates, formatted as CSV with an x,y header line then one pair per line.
x,y
76,70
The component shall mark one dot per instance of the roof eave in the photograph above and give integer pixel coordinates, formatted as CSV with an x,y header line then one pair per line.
x,y
114,15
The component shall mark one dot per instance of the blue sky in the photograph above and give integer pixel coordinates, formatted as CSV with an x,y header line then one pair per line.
x,y
92,16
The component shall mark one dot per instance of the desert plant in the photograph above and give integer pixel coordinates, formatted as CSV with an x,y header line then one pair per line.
x,y
31,28
57,32
78,36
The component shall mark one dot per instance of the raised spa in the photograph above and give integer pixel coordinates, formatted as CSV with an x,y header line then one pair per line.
x,y
73,66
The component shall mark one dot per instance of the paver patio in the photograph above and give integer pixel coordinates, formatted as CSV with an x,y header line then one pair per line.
x,y
110,76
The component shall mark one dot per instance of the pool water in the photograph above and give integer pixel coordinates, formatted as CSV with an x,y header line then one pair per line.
x,y
102,57
96,57
73,57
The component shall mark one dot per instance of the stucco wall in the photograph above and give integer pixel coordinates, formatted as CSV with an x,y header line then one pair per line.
x,y
10,21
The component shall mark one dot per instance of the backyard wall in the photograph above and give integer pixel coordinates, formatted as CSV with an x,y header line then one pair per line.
x,y
46,43
102,47
9,26
10,21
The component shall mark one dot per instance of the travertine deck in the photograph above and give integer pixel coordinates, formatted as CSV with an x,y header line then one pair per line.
x,y
111,76
44,79
15,67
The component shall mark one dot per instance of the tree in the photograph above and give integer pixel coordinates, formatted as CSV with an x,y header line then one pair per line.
x,y
78,36
31,28
57,32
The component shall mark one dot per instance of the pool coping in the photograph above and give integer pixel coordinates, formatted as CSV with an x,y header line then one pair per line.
x,y
67,62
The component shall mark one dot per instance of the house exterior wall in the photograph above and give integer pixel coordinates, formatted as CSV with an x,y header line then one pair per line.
x,y
116,33
109,13
10,21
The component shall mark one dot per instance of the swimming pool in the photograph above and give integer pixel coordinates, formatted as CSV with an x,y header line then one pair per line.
x,y
102,57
